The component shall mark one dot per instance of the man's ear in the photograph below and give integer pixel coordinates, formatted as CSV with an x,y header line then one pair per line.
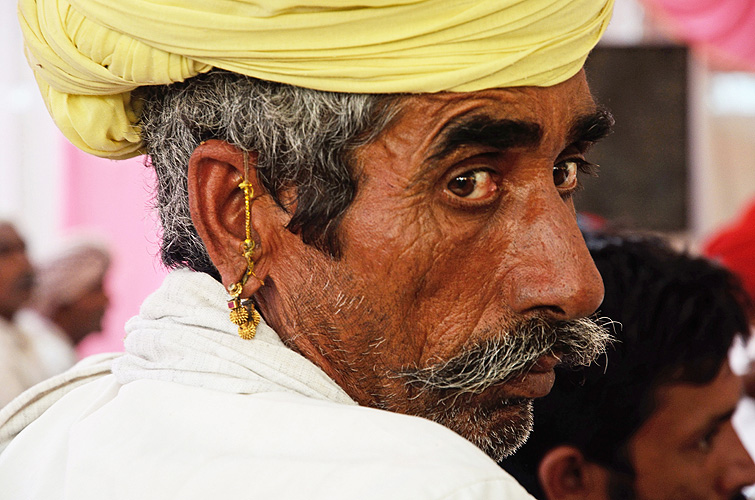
x,y
216,203
565,474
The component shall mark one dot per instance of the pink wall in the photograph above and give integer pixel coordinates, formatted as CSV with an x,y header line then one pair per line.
x,y
112,199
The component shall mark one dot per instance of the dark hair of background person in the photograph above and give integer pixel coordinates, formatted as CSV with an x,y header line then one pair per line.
x,y
679,315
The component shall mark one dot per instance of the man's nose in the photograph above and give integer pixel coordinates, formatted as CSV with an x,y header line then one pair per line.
x,y
737,468
556,273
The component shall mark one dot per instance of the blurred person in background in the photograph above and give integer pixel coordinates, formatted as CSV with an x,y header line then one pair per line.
x,y
20,365
734,247
652,419
67,304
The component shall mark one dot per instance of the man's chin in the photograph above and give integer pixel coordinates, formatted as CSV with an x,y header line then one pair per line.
x,y
498,429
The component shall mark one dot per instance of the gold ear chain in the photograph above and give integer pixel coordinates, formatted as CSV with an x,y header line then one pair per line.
x,y
243,314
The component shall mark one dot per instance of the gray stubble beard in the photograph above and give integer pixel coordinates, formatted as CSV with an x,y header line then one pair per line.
x,y
500,428
497,437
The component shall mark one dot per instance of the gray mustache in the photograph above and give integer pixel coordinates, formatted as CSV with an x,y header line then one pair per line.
x,y
575,342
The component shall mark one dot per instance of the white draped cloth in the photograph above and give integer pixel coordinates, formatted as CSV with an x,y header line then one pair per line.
x,y
191,411
20,364
53,346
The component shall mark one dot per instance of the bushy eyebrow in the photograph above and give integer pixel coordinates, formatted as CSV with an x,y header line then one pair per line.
x,y
721,419
483,131
591,127
712,424
504,134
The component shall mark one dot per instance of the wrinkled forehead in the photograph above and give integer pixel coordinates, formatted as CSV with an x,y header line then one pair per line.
x,y
690,408
552,110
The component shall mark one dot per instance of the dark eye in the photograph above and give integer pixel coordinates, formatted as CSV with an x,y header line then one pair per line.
x,y
705,443
565,174
473,185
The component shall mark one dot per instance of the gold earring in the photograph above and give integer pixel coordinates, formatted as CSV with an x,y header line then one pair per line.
x,y
243,314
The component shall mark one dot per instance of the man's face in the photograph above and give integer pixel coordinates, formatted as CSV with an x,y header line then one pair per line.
x,y
463,225
16,275
688,449
84,315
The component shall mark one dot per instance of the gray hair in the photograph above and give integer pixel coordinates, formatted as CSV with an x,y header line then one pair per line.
x,y
305,139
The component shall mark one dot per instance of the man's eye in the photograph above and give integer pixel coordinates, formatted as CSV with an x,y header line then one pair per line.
x,y
473,185
565,174
705,443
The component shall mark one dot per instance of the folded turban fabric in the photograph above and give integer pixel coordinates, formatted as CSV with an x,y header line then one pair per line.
x,y
88,55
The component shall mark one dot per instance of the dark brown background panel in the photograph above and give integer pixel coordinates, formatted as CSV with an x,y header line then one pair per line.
x,y
642,181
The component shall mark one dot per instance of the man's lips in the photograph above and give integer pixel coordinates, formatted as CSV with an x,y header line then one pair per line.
x,y
545,364
522,388
535,382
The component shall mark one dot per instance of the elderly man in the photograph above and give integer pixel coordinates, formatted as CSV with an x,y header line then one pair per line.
x,y
653,419
384,191
20,364
68,303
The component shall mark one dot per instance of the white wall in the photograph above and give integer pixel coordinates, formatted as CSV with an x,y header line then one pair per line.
x,y
29,170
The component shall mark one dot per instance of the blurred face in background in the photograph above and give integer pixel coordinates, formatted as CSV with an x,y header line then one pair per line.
x,y
84,315
688,449
16,273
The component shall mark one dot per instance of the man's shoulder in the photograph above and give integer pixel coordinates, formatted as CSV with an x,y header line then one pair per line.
x,y
326,449
284,423
196,440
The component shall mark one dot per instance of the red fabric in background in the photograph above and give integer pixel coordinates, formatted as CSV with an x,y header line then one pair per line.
x,y
734,247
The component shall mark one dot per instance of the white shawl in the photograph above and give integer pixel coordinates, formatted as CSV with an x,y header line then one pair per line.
x,y
182,334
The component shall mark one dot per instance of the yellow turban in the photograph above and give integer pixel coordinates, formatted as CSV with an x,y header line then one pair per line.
x,y
88,55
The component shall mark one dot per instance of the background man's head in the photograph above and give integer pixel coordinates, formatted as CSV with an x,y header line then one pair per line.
x,y
734,247
16,273
70,290
650,420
